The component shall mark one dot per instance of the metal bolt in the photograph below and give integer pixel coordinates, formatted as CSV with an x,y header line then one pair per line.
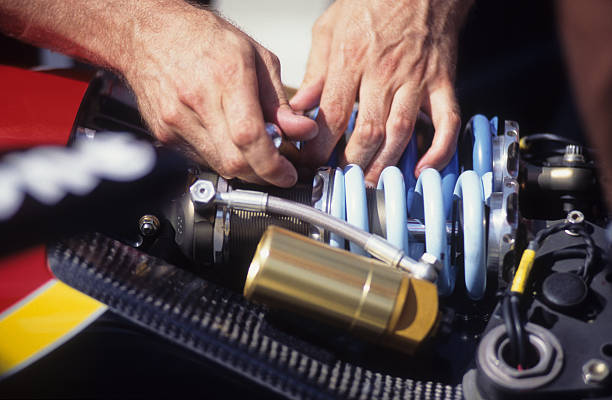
x,y
595,371
148,225
202,192
574,217
274,133
573,154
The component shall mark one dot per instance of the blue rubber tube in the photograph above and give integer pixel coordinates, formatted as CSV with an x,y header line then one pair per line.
x,y
469,189
428,206
391,181
356,202
338,206
481,152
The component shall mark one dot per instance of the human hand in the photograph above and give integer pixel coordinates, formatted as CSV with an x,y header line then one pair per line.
x,y
203,84
397,57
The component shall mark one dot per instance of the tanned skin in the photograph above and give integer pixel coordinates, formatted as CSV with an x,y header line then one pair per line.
x,y
203,84
398,57
200,82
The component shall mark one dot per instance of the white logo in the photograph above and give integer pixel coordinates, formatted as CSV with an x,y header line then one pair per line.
x,y
48,174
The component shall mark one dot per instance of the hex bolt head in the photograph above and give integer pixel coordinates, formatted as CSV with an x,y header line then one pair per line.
x,y
595,371
202,192
148,225
574,217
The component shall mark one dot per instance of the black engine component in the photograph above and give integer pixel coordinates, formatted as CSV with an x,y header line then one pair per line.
x,y
569,328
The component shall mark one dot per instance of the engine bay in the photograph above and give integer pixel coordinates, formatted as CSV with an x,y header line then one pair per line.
x,y
487,280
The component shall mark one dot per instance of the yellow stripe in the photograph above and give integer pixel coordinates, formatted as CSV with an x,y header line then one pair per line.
x,y
47,320
522,273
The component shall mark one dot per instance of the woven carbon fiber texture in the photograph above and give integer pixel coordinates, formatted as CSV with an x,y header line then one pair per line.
x,y
221,325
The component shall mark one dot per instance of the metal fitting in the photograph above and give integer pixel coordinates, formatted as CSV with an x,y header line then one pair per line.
x,y
503,202
595,371
249,200
430,268
573,154
285,147
148,225
360,294
492,363
202,193
574,217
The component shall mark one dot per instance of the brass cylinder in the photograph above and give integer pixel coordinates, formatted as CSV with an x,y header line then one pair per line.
x,y
361,294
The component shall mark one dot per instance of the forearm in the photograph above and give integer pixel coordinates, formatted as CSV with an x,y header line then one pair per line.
x,y
586,34
100,32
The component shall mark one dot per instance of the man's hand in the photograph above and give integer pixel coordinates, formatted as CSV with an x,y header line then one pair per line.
x,y
200,82
397,57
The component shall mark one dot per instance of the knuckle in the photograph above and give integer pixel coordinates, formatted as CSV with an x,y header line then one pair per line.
x,y
164,135
371,134
454,119
245,136
400,125
188,95
171,115
336,116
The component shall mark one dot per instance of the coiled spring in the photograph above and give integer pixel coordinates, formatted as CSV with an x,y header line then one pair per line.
x,y
428,201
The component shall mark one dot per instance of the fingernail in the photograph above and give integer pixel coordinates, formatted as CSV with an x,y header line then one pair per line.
x,y
370,185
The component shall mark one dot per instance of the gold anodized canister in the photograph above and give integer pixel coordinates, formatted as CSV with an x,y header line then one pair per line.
x,y
361,294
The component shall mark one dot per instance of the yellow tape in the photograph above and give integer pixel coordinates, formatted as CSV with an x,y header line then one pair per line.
x,y
522,273
49,318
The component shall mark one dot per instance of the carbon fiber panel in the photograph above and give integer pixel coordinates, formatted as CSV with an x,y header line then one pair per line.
x,y
221,325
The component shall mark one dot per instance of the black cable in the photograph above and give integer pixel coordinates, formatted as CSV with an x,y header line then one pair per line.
x,y
580,230
540,146
549,137
513,319
510,328
519,328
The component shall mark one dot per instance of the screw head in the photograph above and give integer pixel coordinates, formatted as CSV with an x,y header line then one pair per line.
x,y
148,225
595,371
202,192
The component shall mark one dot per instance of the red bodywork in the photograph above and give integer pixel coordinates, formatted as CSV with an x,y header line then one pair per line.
x,y
36,108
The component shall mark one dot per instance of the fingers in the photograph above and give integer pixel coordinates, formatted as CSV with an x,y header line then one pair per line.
x,y
444,111
399,128
310,91
370,131
335,110
244,119
273,99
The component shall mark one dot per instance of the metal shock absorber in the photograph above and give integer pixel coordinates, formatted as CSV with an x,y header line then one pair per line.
x,y
415,214
475,204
